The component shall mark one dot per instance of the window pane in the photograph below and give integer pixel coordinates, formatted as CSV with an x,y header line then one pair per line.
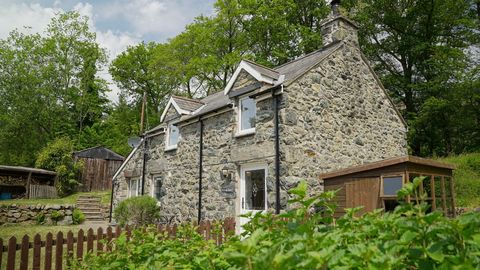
x,y
173,135
255,190
158,188
248,108
391,185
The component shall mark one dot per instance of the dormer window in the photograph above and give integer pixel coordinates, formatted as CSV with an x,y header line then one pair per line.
x,y
247,110
173,135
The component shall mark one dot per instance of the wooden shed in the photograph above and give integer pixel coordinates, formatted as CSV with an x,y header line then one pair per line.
x,y
375,185
100,164
18,182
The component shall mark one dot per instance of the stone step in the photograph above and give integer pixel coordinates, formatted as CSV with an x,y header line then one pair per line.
x,y
89,212
88,201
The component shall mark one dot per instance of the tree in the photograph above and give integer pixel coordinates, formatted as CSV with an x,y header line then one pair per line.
x,y
48,87
58,156
420,49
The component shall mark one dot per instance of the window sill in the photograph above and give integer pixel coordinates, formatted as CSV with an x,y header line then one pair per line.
x,y
170,148
245,133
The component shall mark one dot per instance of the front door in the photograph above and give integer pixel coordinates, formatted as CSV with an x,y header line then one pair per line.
x,y
253,190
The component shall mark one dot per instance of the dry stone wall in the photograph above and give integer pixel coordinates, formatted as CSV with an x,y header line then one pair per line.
x,y
28,214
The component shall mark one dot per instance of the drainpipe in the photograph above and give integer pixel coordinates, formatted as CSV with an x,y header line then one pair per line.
x,y
111,204
144,165
277,153
200,172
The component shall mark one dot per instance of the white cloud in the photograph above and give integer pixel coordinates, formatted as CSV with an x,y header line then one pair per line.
x,y
18,15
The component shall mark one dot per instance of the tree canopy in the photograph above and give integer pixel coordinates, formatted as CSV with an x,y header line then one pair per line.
x,y
425,52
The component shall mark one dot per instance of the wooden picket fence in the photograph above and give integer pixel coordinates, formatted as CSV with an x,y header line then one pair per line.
x,y
75,245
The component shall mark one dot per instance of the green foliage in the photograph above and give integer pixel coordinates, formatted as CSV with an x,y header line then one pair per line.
x,y
424,54
467,178
140,210
49,87
56,217
308,237
77,216
40,219
57,156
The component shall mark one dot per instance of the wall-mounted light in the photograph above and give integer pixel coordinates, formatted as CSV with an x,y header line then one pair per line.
x,y
226,174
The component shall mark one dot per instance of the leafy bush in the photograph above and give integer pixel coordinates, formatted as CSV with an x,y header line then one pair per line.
x,y
141,210
40,219
407,238
55,217
57,156
77,216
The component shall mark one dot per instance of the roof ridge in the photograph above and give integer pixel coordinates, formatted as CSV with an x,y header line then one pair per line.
x,y
89,148
260,65
188,99
309,54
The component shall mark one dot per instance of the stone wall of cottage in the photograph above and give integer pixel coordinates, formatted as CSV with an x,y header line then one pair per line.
x,y
338,116
178,170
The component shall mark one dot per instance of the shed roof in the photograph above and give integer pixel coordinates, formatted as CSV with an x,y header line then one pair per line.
x,y
386,163
99,152
6,168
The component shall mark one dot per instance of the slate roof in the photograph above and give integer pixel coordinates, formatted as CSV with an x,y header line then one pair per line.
x,y
264,70
187,104
99,152
296,68
291,70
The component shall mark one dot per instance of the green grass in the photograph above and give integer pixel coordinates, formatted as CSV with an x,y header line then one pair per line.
x,y
19,231
467,178
72,199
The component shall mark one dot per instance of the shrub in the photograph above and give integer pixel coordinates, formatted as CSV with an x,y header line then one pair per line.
x,y
407,238
57,156
55,217
40,219
78,217
141,210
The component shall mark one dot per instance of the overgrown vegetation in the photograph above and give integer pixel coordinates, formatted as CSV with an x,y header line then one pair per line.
x,y
58,156
408,238
140,210
467,178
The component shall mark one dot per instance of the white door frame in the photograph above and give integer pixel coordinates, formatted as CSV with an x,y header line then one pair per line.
x,y
244,168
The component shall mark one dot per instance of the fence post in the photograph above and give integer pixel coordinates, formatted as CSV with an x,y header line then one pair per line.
x,y
12,248
80,245
59,251
1,251
208,230
24,253
109,238
118,231
90,240
99,240
37,245
48,251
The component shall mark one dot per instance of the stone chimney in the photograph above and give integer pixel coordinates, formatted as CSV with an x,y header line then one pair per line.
x,y
336,27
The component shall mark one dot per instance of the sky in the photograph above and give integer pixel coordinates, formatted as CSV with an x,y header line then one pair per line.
x,y
117,23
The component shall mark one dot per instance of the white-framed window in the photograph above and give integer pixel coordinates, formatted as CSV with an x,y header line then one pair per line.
x,y
173,135
247,111
133,187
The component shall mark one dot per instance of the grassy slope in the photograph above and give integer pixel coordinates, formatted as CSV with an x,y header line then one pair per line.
x,y
72,199
467,178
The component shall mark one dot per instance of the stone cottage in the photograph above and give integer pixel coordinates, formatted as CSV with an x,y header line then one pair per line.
x,y
241,149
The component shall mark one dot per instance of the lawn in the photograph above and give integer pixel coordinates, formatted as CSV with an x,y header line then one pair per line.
x,y
72,199
467,178
19,231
